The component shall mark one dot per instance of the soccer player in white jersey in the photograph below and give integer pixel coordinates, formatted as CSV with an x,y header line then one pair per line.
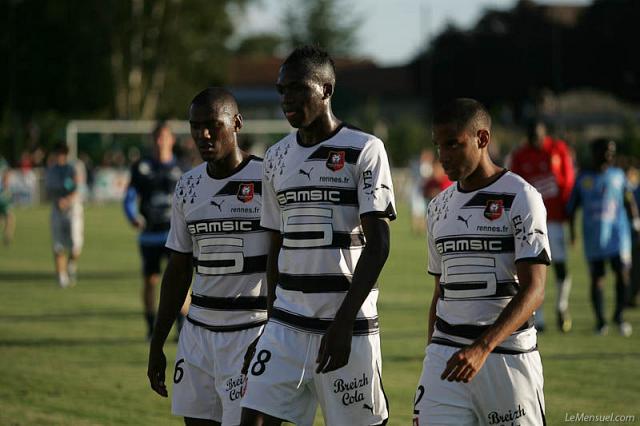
x,y
327,201
488,251
215,229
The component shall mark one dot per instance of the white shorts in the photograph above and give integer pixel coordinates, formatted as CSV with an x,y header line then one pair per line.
x,y
507,390
282,381
67,229
207,382
557,242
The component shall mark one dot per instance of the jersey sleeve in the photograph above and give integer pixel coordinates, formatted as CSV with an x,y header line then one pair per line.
x,y
375,188
434,266
270,214
568,173
179,238
529,224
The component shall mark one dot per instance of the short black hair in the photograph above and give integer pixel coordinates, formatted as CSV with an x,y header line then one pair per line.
x,y
314,59
60,148
600,145
461,112
214,95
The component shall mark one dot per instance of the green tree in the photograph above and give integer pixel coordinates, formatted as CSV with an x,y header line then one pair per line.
x,y
324,23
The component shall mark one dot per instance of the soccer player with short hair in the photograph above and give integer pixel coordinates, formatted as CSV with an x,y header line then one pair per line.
x,y
67,215
488,252
607,200
546,163
215,229
327,202
147,205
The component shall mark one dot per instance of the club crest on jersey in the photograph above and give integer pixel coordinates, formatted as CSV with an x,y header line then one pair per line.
x,y
335,161
245,192
494,209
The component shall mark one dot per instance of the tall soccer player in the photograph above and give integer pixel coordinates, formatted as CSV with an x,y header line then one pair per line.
x,y
605,195
327,202
488,251
215,229
546,163
147,205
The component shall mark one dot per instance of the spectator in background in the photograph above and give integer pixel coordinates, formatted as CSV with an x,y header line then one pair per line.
x,y
7,218
67,221
547,164
438,182
634,296
605,195
147,205
421,170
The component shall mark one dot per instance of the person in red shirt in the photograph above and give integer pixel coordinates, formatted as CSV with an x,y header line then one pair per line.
x,y
547,164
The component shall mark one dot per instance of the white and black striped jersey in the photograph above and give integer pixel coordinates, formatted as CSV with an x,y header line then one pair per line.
x,y
218,220
314,196
474,241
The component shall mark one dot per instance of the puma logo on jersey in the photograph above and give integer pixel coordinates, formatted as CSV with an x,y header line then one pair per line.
x,y
307,174
466,221
218,205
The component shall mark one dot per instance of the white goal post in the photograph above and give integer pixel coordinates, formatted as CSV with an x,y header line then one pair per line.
x,y
180,127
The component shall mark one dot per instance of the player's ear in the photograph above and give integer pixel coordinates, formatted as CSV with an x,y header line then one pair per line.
x,y
237,122
327,90
483,138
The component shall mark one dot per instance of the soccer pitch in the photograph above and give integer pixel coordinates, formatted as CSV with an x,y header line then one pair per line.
x,y
78,356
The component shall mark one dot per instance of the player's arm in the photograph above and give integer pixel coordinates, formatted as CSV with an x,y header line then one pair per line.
x,y
175,285
335,347
466,363
432,308
631,208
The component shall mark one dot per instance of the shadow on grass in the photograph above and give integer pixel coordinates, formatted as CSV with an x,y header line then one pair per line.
x,y
76,315
7,277
53,342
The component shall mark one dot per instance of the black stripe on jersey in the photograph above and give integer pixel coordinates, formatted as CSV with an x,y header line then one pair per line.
x,y
226,328
474,244
342,240
243,303
232,187
314,283
471,331
503,289
318,194
251,265
497,350
322,153
361,327
481,199
224,226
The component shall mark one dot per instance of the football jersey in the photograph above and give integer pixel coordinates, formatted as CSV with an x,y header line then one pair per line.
x,y
218,220
314,197
60,182
605,227
475,239
550,170
154,182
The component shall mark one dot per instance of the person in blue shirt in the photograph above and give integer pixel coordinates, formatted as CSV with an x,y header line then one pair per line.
x,y
607,203
147,205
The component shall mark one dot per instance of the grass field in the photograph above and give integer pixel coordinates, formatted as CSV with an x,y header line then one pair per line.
x,y
78,356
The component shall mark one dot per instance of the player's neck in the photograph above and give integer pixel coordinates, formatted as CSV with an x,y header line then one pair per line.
x,y
165,156
227,166
485,174
321,129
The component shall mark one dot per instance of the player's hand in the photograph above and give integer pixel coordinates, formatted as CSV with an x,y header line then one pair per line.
x,y
248,355
465,364
155,371
63,203
138,223
335,348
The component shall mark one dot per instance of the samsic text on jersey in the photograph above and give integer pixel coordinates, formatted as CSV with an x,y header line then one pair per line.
x,y
474,241
314,196
218,220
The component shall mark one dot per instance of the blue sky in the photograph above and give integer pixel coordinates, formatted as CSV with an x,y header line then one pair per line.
x,y
392,31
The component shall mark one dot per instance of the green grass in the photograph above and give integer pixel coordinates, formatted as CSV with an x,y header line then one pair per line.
x,y
78,356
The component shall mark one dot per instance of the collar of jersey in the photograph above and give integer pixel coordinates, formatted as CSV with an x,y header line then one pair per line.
x,y
241,166
502,173
335,132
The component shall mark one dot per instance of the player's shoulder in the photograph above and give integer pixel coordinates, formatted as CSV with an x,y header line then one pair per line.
x,y
282,144
443,195
357,138
198,171
514,183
